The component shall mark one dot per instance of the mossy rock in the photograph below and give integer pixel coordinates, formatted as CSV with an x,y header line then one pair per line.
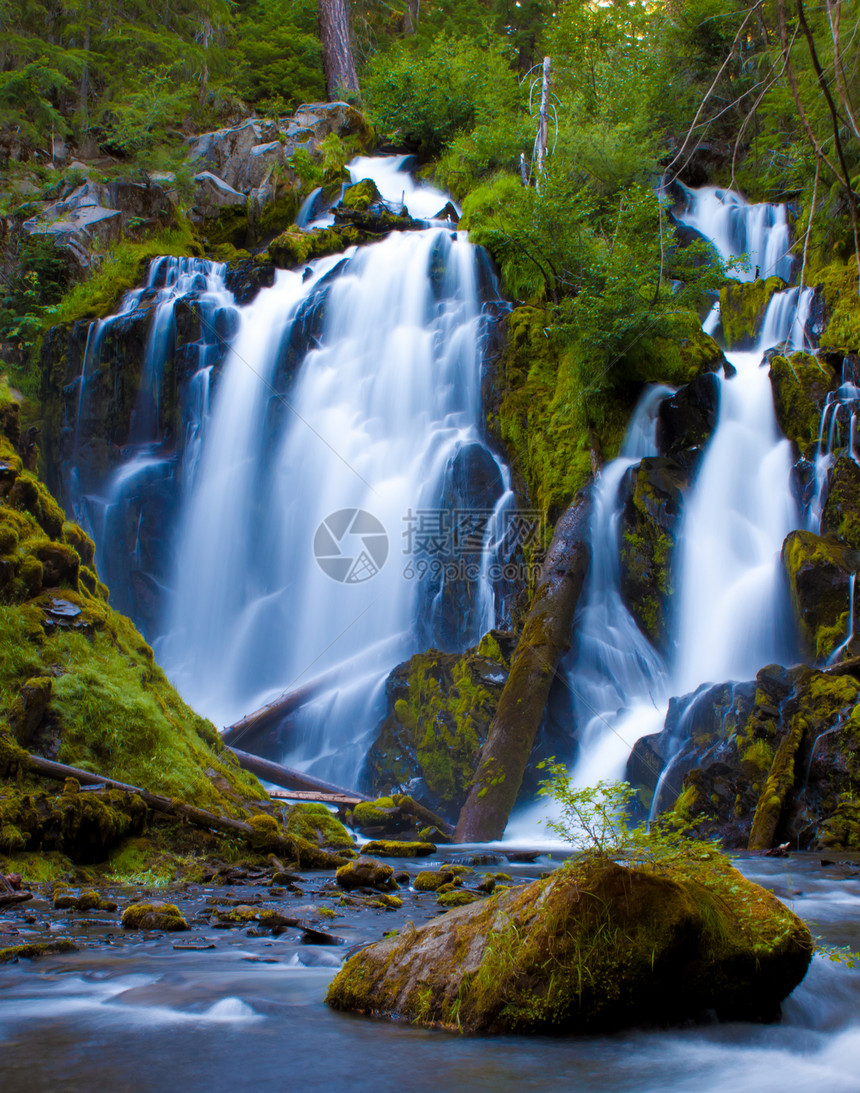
x,y
440,706
431,880
153,916
764,762
594,947
819,575
652,493
457,898
837,282
315,823
366,873
294,247
392,848
361,195
801,384
841,513
35,949
742,309
89,900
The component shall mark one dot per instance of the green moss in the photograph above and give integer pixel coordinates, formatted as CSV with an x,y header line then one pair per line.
x,y
800,385
841,515
430,880
392,848
31,950
742,308
315,823
838,283
295,247
457,898
153,916
361,195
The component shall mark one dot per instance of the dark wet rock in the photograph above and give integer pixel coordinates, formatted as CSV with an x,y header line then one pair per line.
x,y
686,420
765,762
449,608
652,497
819,573
440,706
661,948
245,279
366,873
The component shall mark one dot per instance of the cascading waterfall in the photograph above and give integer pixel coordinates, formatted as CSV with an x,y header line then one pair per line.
x,y
730,616
323,464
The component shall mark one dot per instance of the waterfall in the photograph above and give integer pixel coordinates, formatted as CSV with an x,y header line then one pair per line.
x,y
729,616
336,508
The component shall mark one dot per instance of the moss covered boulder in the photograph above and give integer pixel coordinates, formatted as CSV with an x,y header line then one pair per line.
x,y
837,282
652,493
366,873
742,309
819,570
315,823
440,706
801,384
153,916
593,947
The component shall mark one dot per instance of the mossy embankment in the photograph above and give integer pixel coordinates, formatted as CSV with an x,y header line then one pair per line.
x,y
79,685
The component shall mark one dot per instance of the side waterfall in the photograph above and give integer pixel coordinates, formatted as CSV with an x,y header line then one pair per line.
x,y
730,614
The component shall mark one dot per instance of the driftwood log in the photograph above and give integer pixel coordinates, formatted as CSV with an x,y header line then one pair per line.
x,y
545,638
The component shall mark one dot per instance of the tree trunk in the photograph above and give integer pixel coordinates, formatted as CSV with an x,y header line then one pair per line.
x,y
289,778
545,638
543,121
410,16
338,62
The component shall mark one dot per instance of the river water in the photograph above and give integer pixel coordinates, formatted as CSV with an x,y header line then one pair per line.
x,y
140,1016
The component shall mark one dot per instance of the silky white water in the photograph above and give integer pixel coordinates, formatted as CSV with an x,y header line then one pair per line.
x,y
353,455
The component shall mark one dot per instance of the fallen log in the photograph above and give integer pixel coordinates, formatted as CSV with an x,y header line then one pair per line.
x,y
289,778
545,638
300,795
307,854
268,716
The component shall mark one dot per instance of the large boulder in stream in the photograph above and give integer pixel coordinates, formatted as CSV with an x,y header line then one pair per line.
x,y
764,762
593,947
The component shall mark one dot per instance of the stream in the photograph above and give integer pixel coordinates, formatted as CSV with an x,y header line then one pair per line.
x,y
139,1015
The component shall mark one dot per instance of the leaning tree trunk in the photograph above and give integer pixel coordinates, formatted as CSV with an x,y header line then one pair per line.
x,y
337,50
545,638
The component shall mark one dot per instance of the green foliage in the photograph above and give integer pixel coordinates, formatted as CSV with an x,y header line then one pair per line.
x,y
278,55
428,96
594,820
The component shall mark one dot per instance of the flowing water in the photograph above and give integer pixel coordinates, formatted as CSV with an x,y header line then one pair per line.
x,y
250,1015
730,614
